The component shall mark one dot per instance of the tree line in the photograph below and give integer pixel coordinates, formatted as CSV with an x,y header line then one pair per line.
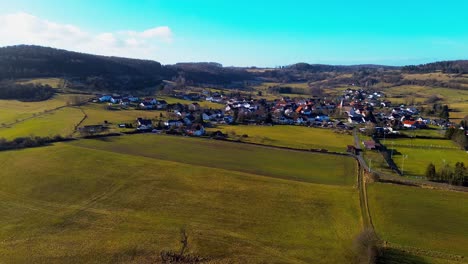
x,y
459,66
10,90
458,136
28,142
457,175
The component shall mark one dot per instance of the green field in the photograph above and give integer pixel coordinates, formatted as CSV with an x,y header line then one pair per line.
x,y
59,122
293,165
420,142
457,99
74,203
430,220
420,152
291,136
98,113
432,132
12,110
461,110
203,104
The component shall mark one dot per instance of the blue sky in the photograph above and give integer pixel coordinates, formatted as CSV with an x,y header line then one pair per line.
x,y
246,33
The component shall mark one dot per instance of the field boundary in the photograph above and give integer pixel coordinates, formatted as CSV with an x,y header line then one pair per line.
x,y
85,116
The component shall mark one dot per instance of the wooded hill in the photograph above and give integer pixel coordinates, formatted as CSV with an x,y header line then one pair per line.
x,y
458,66
114,74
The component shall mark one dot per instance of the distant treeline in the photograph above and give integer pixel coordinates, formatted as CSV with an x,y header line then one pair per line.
x,y
286,90
28,142
459,66
208,73
25,92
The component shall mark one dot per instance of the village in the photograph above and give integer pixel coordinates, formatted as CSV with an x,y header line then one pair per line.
x,y
368,110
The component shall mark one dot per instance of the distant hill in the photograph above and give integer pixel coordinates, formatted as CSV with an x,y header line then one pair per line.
x,y
458,66
92,71
114,74
35,61
336,68
210,73
103,73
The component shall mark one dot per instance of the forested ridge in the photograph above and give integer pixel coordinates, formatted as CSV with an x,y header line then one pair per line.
x,y
96,73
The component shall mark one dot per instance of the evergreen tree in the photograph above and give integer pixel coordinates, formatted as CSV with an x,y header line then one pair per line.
x,y
431,172
459,173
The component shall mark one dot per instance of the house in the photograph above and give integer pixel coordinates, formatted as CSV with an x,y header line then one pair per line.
x,y
116,99
173,123
212,115
371,145
125,102
196,130
356,119
92,129
194,107
144,124
228,119
145,105
150,100
162,104
191,97
133,99
322,118
414,124
300,121
105,98
189,119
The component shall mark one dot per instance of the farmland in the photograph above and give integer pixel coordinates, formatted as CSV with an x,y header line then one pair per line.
x,y
59,122
413,155
98,113
291,136
431,220
204,104
456,99
124,200
12,110
293,165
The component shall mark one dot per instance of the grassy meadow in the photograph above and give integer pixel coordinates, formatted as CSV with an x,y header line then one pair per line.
x,y
291,165
431,220
98,113
432,131
13,110
204,103
59,122
457,99
420,152
93,201
291,136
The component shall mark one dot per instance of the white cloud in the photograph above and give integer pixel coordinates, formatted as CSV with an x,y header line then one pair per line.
x,y
23,28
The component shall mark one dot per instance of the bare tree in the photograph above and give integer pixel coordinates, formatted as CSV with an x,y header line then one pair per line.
x,y
366,247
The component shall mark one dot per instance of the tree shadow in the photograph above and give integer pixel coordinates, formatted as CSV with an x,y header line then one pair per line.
x,y
397,256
